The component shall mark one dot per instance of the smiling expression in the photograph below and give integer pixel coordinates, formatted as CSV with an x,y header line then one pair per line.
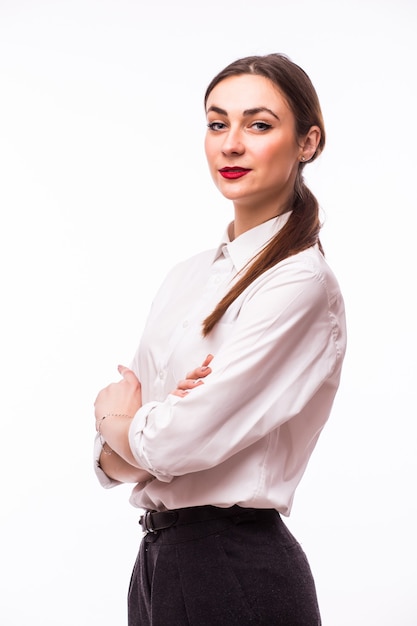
x,y
251,144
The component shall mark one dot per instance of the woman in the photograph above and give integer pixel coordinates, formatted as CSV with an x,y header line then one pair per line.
x,y
218,455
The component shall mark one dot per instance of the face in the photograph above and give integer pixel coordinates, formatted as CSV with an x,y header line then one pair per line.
x,y
251,144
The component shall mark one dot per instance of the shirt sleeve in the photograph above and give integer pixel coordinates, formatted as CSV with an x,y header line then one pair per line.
x,y
104,480
283,346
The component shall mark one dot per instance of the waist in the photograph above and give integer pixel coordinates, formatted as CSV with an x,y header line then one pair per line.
x,y
154,521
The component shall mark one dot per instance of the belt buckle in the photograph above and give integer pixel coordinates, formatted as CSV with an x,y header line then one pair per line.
x,y
146,523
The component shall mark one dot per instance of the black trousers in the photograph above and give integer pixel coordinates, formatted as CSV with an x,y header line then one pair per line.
x,y
244,569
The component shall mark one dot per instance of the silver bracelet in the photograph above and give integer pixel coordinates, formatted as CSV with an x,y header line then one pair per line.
x,y
100,436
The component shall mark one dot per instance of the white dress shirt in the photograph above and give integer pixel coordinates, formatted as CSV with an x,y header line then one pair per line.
x,y
244,436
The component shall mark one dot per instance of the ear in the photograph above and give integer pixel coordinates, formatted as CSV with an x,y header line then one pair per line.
x,y
310,143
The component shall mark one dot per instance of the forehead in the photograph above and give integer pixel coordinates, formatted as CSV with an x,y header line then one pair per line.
x,y
247,91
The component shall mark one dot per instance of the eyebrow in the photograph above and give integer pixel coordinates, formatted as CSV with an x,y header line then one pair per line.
x,y
246,112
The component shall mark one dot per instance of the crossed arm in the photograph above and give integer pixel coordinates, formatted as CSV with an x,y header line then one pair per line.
x,y
115,407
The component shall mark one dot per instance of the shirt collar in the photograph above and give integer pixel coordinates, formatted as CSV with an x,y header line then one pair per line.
x,y
242,249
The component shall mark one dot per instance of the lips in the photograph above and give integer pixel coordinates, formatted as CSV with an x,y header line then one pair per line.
x,y
233,172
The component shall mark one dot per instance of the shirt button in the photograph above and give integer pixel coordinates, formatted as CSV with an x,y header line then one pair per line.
x,y
162,374
185,324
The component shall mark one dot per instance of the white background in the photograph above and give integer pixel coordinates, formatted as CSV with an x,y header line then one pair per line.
x,y
103,186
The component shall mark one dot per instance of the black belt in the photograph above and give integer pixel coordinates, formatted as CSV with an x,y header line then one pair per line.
x,y
152,521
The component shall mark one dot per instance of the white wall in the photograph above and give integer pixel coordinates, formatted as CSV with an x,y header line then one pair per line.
x,y
102,180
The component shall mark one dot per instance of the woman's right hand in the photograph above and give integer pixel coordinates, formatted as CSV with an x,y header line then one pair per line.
x,y
122,398
193,378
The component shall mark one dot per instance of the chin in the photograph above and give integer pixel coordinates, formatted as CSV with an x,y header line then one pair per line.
x,y
232,194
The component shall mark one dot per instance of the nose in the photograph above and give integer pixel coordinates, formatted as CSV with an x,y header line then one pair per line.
x,y
233,143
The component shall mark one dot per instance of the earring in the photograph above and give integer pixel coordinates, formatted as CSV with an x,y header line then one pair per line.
x,y
302,158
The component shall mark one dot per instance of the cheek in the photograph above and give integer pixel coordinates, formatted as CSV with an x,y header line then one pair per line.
x,y
208,149
209,163
211,158
286,154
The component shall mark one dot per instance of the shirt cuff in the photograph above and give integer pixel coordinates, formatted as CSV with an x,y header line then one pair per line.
x,y
141,420
104,480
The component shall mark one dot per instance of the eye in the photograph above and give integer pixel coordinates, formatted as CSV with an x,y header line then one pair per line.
x,y
262,126
216,126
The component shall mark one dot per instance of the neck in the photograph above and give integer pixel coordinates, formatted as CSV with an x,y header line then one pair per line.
x,y
249,217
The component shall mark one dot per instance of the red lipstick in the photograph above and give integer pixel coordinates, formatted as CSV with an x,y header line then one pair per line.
x,y
233,172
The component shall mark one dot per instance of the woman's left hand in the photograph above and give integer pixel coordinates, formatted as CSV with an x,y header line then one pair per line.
x,y
121,398
193,378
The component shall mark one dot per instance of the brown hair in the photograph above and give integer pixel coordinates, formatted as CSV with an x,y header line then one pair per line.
x,y
303,226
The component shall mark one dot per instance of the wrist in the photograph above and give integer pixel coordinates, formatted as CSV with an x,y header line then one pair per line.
x,y
105,446
99,420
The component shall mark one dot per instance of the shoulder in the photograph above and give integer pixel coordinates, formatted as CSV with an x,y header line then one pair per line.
x,y
195,264
205,257
301,282
309,267
186,273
